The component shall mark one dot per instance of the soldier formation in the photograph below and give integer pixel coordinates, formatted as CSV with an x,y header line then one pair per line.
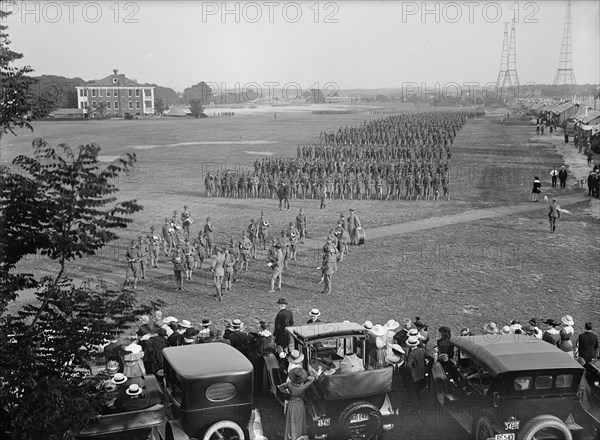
x,y
404,156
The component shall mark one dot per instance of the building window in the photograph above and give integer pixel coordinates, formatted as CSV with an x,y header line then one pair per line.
x,y
148,104
108,105
93,93
130,105
147,92
137,104
116,105
108,93
101,93
130,92
93,104
115,80
137,93
80,92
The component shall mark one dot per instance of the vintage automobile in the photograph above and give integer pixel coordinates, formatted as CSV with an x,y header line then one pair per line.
x,y
344,405
205,394
208,394
508,387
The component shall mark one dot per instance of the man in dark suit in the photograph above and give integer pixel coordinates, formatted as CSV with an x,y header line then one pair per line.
x,y
562,176
284,319
588,344
153,351
238,338
418,362
314,316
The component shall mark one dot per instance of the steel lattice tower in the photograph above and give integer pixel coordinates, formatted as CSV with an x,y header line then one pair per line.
x,y
564,74
508,67
504,59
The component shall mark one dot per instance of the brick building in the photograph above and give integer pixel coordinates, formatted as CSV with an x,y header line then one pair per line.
x,y
120,94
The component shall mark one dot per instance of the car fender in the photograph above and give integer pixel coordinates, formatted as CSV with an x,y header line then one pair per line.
x,y
438,382
541,422
271,364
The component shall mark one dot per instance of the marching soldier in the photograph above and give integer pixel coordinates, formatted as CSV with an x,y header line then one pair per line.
x,y
229,268
143,256
293,235
132,258
208,234
219,271
253,235
200,246
301,225
245,247
189,253
284,243
276,264
263,231
154,240
178,267
167,237
186,221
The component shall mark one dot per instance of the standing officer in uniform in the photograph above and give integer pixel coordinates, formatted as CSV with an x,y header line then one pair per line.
x,y
329,265
219,271
186,221
263,231
178,267
245,248
208,234
301,225
293,235
154,240
553,214
353,224
143,252
167,237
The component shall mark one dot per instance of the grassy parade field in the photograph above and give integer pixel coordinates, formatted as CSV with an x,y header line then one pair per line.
x,y
508,267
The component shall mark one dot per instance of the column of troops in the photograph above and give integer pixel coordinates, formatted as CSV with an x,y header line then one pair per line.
x,y
404,156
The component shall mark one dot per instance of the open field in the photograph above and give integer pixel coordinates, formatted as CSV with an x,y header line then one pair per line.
x,y
498,269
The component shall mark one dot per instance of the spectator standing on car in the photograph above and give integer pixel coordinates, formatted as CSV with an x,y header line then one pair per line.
x,y
295,422
587,344
284,319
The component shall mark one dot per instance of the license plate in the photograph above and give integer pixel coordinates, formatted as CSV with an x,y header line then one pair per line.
x,y
507,436
360,417
512,426
324,422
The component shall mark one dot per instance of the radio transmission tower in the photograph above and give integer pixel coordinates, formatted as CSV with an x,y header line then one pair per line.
x,y
508,66
564,74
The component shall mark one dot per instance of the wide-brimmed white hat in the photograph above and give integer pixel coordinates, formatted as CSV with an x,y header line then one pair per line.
x,y
567,320
119,379
170,319
134,390
185,323
134,348
392,324
378,330
315,313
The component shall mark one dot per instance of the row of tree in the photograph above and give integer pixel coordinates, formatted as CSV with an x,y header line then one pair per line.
x,y
59,204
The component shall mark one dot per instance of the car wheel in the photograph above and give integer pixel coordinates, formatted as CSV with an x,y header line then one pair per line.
x,y
224,430
545,427
484,429
360,421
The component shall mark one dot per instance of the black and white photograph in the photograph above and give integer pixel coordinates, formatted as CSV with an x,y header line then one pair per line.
x,y
299,220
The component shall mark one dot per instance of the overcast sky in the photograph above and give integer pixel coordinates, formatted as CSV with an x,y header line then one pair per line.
x,y
356,44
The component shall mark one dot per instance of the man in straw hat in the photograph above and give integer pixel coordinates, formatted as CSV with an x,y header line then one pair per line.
x,y
238,338
314,316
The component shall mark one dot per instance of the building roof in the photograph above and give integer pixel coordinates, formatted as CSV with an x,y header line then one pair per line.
x,y
67,111
591,116
317,331
213,359
121,81
504,353
560,108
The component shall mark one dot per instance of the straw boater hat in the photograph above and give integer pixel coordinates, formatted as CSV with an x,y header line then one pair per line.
x,y
237,324
378,330
368,325
134,390
296,357
315,313
567,320
413,332
412,341
185,323
119,379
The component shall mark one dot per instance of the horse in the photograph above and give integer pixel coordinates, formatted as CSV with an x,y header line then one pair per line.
x,y
283,193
